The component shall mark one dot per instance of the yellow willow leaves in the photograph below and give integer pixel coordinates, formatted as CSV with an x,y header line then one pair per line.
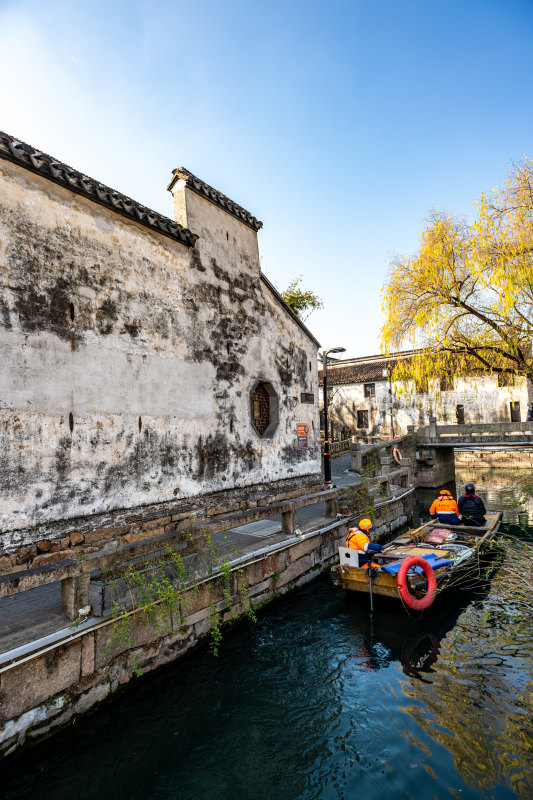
x,y
465,299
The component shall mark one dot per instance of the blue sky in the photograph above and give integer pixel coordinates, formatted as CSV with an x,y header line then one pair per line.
x,y
340,125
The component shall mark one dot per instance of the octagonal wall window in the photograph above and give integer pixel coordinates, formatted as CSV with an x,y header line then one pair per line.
x,y
264,409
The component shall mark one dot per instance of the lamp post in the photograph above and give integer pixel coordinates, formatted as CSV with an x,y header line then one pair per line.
x,y
327,454
387,374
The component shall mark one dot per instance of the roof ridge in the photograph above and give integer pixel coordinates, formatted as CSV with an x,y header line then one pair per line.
x,y
30,158
214,196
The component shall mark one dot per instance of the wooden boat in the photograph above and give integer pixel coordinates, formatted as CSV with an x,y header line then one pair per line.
x,y
416,565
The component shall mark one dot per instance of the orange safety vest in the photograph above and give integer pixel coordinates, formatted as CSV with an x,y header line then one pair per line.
x,y
445,504
357,540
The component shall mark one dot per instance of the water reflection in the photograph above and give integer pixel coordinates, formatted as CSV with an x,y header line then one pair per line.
x,y
479,705
318,700
498,488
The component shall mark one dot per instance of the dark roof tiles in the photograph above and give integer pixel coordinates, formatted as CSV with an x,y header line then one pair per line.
x,y
28,157
340,374
214,196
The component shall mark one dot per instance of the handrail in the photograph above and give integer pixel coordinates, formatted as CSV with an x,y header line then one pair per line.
x,y
339,446
33,577
480,429
23,580
39,647
387,444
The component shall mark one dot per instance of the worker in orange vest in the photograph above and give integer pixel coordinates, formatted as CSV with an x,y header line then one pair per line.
x,y
358,539
445,509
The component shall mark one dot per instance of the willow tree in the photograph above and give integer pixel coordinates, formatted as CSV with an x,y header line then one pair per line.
x,y
466,297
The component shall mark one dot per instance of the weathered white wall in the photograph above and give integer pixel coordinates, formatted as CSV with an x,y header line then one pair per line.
x,y
143,396
482,398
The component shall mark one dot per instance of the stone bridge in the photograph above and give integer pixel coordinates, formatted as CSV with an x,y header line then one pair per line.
x,y
429,453
508,434
436,446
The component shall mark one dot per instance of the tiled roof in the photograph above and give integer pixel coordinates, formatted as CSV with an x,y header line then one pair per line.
x,y
370,368
28,157
366,372
214,196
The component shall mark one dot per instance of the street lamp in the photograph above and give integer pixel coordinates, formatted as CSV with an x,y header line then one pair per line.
x,y
387,374
327,454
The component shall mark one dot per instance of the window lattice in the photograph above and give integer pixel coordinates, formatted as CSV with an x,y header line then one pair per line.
x,y
261,408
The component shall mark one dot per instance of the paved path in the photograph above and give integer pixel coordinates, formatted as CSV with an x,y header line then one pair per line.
x,y
37,612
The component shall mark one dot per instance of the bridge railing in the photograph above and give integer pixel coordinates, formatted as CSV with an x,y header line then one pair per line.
x,y
381,458
477,431
339,446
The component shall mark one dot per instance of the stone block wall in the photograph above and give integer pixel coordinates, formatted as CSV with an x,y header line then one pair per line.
x,y
436,466
76,538
82,672
514,458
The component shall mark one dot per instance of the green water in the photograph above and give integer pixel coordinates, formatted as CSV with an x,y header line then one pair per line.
x,y
318,700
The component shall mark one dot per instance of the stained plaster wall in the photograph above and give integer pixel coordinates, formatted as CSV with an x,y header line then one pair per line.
x,y
483,400
126,359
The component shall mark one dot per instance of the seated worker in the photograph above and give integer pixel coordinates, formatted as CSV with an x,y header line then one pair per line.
x,y
472,507
357,539
445,508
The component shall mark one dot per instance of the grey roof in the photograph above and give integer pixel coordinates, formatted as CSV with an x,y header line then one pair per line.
x,y
214,196
369,372
48,167
370,368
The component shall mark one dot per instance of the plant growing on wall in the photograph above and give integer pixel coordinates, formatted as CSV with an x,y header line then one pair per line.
x,y
356,500
466,297
155,591
301,301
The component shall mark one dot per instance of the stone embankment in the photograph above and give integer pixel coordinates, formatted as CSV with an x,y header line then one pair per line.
x,y
516,459
45,683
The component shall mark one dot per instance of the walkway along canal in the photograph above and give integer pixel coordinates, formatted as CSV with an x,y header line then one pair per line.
x,y
316,700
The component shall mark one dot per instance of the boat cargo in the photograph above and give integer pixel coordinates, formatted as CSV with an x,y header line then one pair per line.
x,y
417,565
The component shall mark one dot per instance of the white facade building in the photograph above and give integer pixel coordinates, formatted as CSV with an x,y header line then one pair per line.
x,y
364,402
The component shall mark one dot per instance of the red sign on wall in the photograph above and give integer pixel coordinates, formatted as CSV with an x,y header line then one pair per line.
x,y
302,430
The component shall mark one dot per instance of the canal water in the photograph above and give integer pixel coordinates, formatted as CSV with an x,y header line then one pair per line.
x,y
317,700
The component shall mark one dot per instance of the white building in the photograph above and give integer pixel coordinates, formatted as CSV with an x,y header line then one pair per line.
x,y
147,367
364,402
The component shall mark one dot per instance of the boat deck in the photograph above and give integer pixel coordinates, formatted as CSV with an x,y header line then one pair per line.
x,y
458,547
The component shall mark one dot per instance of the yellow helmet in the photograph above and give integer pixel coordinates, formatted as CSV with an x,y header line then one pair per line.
x,y
365,524
445,492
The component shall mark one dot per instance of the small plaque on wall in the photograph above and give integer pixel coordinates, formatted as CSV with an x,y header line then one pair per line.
x,y
303,443
307,397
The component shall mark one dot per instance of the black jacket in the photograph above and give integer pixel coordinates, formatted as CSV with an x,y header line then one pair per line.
x,y
470,505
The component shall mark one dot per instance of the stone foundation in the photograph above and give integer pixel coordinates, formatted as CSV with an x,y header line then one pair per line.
x,y
436,466
46,691
43,689
501,459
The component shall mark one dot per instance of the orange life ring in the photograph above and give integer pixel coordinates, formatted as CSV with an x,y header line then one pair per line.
x,y
397,456
403,586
